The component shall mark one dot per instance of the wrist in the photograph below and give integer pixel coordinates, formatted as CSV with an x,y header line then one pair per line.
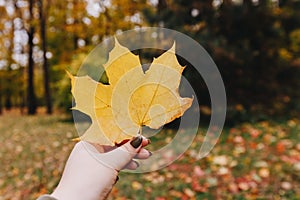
x,y
80,188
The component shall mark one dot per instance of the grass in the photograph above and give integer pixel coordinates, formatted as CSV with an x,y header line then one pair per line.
x,y
250,161
33,152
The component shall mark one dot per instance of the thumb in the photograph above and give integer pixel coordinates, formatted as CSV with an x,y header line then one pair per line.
x,y
121,156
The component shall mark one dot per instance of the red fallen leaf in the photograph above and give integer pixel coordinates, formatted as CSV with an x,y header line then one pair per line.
x,y
26,192
243,186
238,139
179,167
175,193
280,147
114,192
198,172
197,187
290,159
254,133
233,187
148,189
234,131
253,186
185,197
252,145
160,198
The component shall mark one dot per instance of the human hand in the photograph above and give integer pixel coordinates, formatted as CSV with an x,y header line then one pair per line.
x,y
90,175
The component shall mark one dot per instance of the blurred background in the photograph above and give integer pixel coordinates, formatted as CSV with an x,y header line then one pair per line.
x,y
255,44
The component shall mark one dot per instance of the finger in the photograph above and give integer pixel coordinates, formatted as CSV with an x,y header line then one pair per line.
x,y
143,154
146,141
107,148
103,148
120,157
132,165
121,143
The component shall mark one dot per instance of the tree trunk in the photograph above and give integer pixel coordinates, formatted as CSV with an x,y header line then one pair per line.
x,y
9,76
31,101
0,99
45,63
8,103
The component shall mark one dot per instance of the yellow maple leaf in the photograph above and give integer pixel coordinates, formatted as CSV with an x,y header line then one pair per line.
x,y
132,99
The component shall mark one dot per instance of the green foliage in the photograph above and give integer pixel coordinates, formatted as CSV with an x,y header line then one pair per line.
x,y
255,46
62,83
64,98
295,41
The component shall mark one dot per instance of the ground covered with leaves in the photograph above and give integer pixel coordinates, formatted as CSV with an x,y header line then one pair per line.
x,y
250,161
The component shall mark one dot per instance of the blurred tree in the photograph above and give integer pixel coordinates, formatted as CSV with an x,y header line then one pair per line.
x,y
79,26
248,40
8,90
7,44
1,85
2,11
43,15
192,18
3,54
19,79
255,44
253,70
31,99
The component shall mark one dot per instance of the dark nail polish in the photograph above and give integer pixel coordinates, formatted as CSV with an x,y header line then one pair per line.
x,y
137,164
117,179
136,142
150,153
149,141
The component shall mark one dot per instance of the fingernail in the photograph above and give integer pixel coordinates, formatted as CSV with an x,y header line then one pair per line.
x,y
150,153
149,141
136,142
117,179
137,164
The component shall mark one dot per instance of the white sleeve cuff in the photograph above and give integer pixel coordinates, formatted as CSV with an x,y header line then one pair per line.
x,y
46,197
